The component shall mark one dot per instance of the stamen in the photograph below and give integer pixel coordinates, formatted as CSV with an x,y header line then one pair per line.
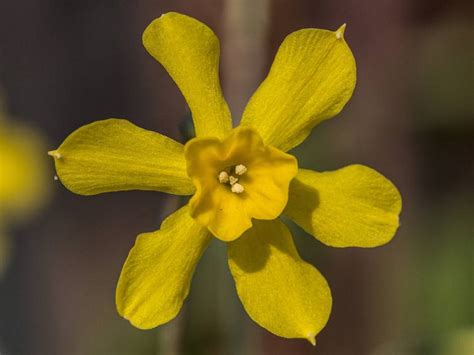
x,y
240,169
223,177
233,180
237,188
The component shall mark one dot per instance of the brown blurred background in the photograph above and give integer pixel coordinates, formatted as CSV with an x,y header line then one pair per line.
x,y
67,63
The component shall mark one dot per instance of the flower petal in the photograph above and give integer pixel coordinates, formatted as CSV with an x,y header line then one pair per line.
x,y
156,277
190,51
311,79
115,155
279,291
227,214
351,207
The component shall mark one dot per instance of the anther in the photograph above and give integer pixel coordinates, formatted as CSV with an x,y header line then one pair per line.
x,y
237,188
54,154
240,169
55,177
233,180
223,177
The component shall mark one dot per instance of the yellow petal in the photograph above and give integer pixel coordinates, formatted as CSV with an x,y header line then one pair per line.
x,y
311,79
351,207
190,51
279,291
115,155
265,183
156,277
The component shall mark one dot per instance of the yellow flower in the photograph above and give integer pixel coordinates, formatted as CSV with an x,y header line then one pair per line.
x,y
23,186
241,180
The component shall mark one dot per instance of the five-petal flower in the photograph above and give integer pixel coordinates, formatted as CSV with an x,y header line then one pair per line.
x,y
241,180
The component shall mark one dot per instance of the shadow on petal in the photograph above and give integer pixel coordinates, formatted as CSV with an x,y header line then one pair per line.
x,y
303,198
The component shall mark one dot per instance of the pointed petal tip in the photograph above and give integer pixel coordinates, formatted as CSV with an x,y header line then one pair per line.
x,y
340,31
54,154
311,337
165,14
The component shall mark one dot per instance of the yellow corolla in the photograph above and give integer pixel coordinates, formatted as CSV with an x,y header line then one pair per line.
x,y
241,180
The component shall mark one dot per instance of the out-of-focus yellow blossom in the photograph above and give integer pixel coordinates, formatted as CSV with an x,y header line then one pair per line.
x,y
23,185
460,342
241,180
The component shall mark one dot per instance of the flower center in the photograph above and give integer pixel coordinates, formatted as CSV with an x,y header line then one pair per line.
x,y
231,175
237,179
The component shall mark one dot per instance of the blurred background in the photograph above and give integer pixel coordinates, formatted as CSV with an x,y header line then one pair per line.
x,y
67,63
